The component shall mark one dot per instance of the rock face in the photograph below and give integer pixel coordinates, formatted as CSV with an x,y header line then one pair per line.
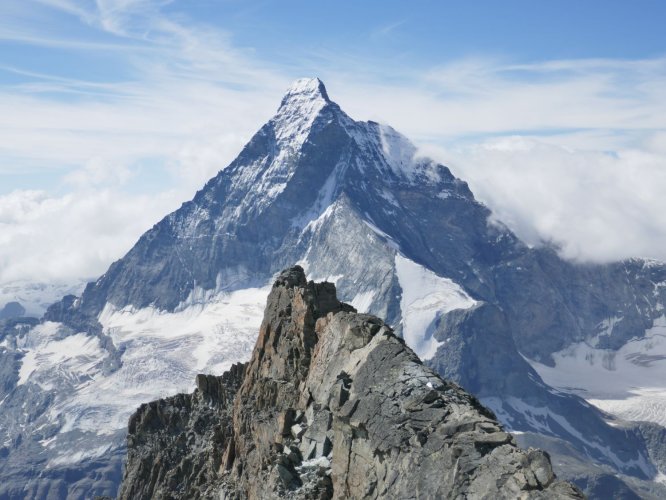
x,y
175,445
331,405
12,310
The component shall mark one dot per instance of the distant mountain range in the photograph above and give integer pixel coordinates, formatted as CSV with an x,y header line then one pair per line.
x,y
535,337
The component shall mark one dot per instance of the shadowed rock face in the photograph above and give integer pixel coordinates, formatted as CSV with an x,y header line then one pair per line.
x,y
174,444
331,405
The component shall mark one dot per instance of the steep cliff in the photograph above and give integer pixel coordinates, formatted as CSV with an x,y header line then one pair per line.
x,y
331,405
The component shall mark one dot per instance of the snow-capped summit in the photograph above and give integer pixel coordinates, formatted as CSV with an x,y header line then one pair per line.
x,y
300,106
350,201
305,89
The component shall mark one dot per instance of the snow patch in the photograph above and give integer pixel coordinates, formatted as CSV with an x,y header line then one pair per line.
x,y
540,418
390,241
47,442
389,197
315,224
37,297
398,151
629,383
162,352
228,279
425,297
300,107
325,198
77,457
48,355
362,301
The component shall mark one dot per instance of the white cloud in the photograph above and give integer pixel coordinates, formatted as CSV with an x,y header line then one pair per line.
x,y
98,172
199,160
597,206
48,238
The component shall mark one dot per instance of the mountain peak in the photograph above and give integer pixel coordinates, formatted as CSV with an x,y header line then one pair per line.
x,y
306,89
302,103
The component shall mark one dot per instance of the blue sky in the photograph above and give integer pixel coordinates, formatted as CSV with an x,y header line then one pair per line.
x,y
553,111
297,35
427,33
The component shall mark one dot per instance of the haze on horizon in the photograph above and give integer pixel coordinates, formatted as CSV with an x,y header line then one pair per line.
x,y
117,111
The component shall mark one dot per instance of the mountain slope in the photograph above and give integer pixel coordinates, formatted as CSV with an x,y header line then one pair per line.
x,y
399,235
330,405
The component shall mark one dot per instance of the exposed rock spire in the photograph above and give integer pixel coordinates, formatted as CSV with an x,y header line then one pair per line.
x,y
331,405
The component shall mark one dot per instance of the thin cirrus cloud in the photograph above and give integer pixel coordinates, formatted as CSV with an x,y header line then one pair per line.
x,y
572,151
474,97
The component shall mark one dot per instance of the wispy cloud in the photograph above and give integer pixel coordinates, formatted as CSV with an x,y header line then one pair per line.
x,y
188,83
387,29
77,9
478,96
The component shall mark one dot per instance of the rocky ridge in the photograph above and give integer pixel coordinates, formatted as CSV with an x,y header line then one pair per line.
x,y
331,405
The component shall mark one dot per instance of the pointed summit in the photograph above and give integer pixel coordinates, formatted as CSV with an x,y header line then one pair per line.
x,y
306,89
303,102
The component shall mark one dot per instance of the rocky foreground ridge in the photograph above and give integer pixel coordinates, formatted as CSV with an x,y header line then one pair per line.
x,y
331,405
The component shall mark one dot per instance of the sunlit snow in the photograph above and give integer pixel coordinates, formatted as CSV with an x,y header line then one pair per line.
x,y
540,418
629,383
162,353
425,296
48,355
36,297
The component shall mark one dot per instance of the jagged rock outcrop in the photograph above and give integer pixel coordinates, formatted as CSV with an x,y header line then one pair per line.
x,y
174,444
331,405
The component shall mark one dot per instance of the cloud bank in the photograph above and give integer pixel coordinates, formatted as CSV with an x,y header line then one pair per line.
x,y
597,206
62,239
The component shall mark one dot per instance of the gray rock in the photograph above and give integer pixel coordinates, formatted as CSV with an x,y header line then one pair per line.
x,y
482,356
12,310
399,432
177,447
